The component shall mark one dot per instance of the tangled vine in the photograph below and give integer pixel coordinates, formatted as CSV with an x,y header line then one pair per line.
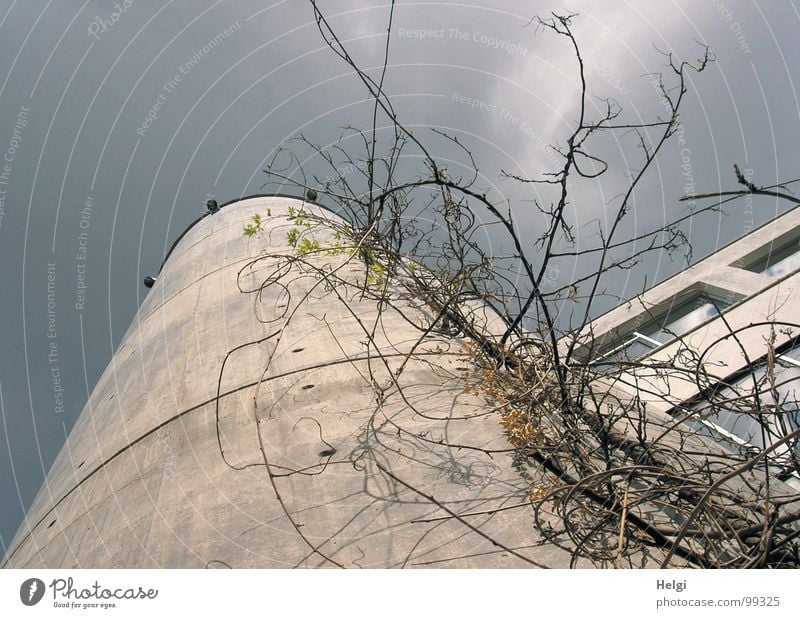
x,y
612,482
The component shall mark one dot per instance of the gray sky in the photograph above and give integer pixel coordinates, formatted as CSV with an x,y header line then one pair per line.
x,y
115,128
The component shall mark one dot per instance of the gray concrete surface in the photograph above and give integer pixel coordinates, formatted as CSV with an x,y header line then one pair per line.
x,y
300,464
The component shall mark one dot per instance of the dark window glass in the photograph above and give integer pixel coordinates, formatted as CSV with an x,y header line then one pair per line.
x,y
779,261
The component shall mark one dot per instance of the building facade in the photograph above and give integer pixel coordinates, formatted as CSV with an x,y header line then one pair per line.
x,y
721,334
238,424
265,409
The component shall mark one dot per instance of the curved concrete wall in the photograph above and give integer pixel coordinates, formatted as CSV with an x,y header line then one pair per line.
x,y
300,463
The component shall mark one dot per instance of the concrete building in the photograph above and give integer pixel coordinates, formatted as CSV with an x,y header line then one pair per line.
x,y
716,326
260,414
237,425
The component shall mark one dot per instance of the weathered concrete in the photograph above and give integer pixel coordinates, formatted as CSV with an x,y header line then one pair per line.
x,y
300,463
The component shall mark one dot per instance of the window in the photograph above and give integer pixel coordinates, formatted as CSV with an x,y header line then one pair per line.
x,y
730,414
778,262
674,321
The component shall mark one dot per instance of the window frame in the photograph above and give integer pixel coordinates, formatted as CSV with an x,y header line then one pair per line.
x,y
697,415
663,321
759,261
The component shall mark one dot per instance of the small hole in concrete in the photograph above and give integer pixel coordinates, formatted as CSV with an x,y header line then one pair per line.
x,y
308,386
298,349
51,524
327,452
